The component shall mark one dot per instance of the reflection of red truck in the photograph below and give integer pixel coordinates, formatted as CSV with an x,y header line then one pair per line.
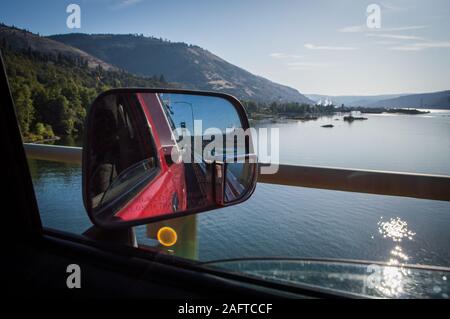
x,y
166,193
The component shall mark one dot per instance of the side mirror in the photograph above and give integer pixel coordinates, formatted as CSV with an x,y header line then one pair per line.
x,y
155,154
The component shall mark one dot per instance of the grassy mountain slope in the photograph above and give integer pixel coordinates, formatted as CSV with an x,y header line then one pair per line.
x,y
21,40
434,100
190,65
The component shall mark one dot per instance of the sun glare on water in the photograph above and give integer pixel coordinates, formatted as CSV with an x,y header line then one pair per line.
x,y
394,277
396,229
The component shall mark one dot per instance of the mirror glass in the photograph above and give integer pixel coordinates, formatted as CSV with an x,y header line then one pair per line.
x,y
151,155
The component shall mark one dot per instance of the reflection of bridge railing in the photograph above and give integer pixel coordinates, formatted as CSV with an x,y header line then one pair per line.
x,y
424,186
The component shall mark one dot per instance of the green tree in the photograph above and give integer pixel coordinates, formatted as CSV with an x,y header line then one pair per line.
x,y
43,131
59,115
24,106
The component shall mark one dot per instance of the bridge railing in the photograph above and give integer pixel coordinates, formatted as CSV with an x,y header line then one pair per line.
x,y
425,186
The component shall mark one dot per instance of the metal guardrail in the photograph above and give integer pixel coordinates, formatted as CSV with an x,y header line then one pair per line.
x,y
423,186
65,154
435,187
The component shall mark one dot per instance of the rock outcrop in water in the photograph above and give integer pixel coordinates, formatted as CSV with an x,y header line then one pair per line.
x,y
351,118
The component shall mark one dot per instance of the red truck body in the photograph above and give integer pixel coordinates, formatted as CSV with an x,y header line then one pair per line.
x,y
166,193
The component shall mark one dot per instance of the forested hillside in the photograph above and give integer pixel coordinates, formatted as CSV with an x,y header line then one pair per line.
x,y
52,92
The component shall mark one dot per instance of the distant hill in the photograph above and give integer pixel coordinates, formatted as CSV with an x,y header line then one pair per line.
x,y
20,40
435,100
352,100
189,65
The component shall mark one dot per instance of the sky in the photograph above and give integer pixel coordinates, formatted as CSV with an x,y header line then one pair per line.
x,y
317,46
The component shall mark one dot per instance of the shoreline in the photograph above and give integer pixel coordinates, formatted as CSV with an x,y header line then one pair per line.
x,y
339,112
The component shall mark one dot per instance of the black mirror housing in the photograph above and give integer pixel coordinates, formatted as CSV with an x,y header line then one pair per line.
x,y
155,154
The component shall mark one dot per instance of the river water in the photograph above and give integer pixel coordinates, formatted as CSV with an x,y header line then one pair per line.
x,y
282,221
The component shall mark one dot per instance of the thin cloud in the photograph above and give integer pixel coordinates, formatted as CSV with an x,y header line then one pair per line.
x,y
310,46
394,36
279,55
354,29
306,65
406,28
405,48
386,42
364,28
423,46
125,3
392,7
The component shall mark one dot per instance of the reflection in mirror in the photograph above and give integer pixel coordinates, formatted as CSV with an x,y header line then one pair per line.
x,y
237,178
150,155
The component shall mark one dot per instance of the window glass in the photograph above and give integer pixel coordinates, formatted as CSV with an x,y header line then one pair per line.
x,y
345,94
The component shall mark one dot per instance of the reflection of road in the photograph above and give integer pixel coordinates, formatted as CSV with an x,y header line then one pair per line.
x,y
233,187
